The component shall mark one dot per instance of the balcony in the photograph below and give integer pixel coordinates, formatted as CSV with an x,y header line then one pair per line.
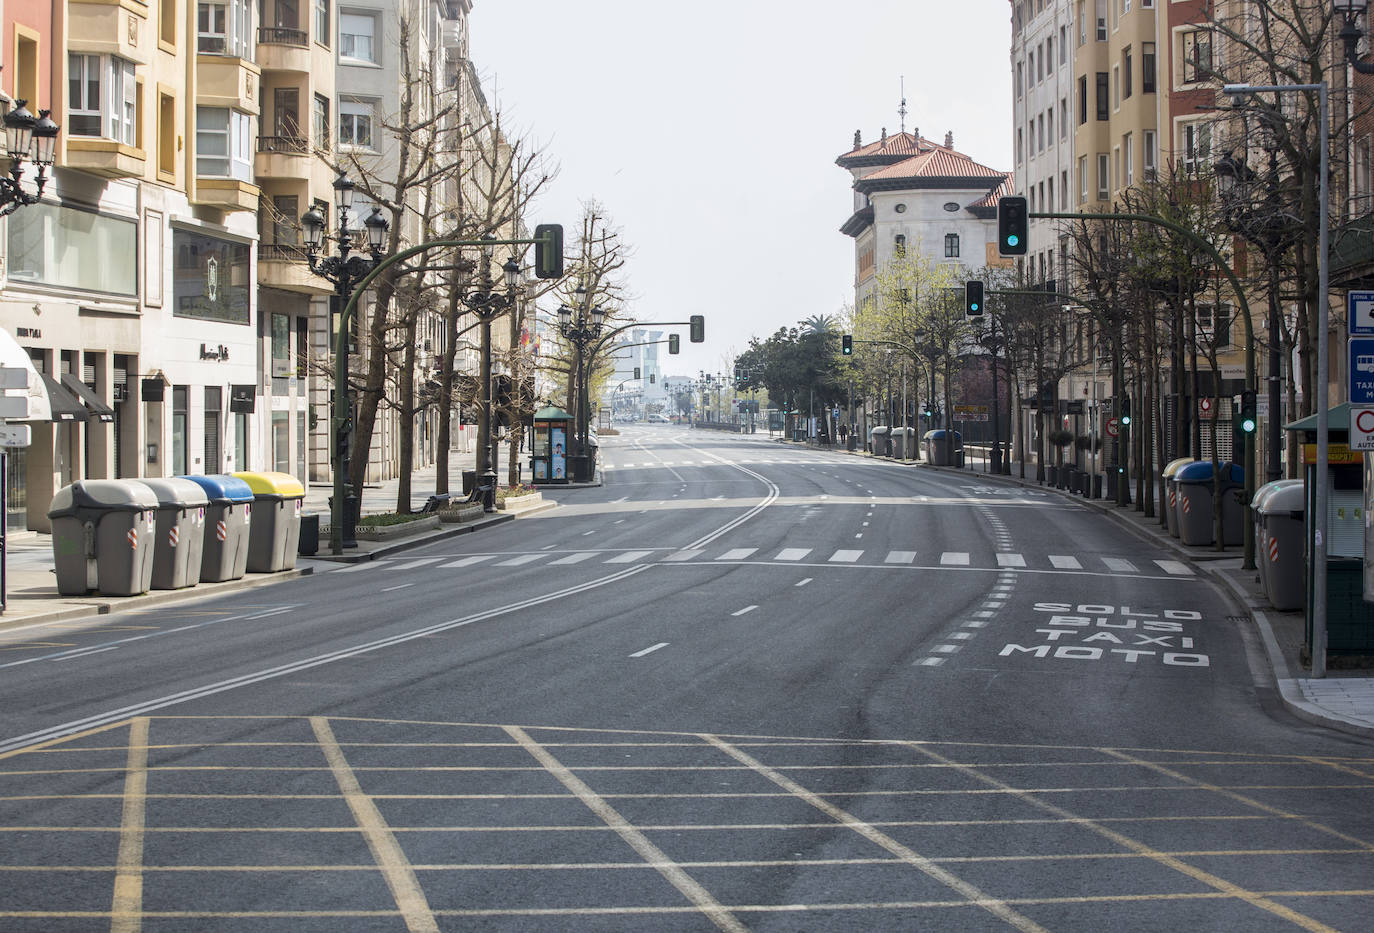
x,y
283,49
227,194
284,266
227,81
111,27
284,157
105,157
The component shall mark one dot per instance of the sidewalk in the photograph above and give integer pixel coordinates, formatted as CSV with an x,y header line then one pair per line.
x,y
31,585
1343,700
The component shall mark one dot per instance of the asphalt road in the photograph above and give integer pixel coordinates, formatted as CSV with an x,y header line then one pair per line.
x,y
739,686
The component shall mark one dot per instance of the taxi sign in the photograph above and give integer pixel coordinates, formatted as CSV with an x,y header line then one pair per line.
x,y
1361,370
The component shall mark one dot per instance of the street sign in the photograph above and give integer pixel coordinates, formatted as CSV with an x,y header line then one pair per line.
x,y
1361,369
14,406
14,435
1362,428
1361,312
1206,408
1113,427
14,377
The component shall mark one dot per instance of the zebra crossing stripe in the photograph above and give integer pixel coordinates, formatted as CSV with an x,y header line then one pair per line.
x,y
466,561
517,561
1117,565
793,553
739,553
686,554
1010,560
845,557
900,557
1177,568
577,558
954,559
628,557
1064,562
420,562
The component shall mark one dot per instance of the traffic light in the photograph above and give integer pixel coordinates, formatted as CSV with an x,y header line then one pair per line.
x,y
1249,418
1125,409
698,328
548,252
652,377
847,344
973,297
672,343
636,372
1012,230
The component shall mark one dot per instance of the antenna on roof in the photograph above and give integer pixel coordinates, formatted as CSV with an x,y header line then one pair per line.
x,y
901,110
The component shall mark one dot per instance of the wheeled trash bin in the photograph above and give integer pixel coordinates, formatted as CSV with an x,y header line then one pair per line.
x,y
879,441
179,539
1279,509
276,528
102,537
227,518
1171,494
1195,485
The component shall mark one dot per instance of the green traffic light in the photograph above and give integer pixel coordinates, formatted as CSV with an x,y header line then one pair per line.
x,y
1013,239
1248,426
973,307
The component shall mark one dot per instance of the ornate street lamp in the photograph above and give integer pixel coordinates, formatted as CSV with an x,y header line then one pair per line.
x,y
344,271
581,326
488,305
1351,33
26,138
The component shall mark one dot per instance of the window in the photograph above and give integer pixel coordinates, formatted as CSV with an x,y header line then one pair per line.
x,y
1100,7
1049,55
1082,99
357,34
224,143
180,404
1063,118
322,22
1040,134
52,245
1102,95
1030,69
951,245
1363,165
1018,79
1103,179
1063,45
225,27
302,347
1127,160
284,225
1126,74
320,121
166,134
1082,22
1215,322
1197,146
167,22
1049,124
1197,55
1116,87
1082,179
214,396
1049,195
281,345
1064,189
1147,67
355,123
1040,68
210,278
1147,154
102,98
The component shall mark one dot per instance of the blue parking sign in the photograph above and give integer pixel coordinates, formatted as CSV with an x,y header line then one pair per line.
x,y
1360,317
1361,370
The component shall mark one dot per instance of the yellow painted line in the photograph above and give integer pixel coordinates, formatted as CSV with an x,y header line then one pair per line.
x,y
126,909
32,645
1197,874
405,888
685,883
1249,801
43,746
920,862
1328,763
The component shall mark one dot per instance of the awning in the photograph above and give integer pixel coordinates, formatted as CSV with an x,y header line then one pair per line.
x,y
15,356
65,406
93,403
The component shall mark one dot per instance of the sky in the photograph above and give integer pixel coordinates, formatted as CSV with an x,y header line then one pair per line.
x,y
708,133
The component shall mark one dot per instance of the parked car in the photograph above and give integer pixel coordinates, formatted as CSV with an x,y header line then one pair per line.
x,y
658,418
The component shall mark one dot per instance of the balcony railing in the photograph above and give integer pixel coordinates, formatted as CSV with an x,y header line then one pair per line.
x,y
281,35
281,252
298,145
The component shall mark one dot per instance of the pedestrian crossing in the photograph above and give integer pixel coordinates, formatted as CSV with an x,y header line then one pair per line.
x,y
647,464
849,557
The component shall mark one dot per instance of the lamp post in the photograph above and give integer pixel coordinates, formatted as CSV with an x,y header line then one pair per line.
x,y
26,139
1319,548
1272,231
489,305
581,326
344,271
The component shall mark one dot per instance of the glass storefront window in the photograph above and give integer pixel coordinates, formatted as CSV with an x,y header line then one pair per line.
x,y
210,277
52,245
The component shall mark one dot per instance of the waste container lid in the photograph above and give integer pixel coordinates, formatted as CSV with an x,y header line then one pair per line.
x,y
1281,497
221,487
273,484
101,495
177,492
939,434
1174,466
879,429
1200,471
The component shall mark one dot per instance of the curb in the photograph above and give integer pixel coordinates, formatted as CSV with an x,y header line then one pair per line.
x,y
413,541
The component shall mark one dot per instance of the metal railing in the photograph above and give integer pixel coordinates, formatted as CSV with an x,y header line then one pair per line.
x,y
282,35
281,251
297,145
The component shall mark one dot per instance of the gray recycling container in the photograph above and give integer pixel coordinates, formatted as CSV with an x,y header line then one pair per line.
x,y
880,441
1171,494
907,440
102,537
276,529
227,519
938,448
178,540
1279,508
1194,482
896,439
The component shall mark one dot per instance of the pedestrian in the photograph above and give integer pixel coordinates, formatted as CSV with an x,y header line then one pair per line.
x,y
842,431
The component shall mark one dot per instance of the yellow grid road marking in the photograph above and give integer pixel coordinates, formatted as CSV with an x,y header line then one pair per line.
x,y
1345,769
920,862
685,883
126,910
405,888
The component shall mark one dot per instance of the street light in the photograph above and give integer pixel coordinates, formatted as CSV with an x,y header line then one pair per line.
x,y
488,305
26,138
581,326
1351,33
344,271
1319,548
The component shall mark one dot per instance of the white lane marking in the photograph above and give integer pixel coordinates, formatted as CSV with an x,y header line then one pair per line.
x,y
946,649
466,561
72,656
399,586
517,561
1117,565
960,636
984,614
792,553
622,498
548,547
845,557
577,558
420,562
864,525
1010,560
362,565
1178,568
649,650
739,553
592,532
687,554
627,557
859,535
954,559
744,610
975,623
931,662
900,557
803,581
1064,562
